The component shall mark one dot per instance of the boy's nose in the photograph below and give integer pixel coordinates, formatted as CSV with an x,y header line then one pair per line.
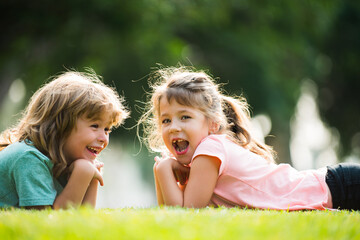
x,y
103,137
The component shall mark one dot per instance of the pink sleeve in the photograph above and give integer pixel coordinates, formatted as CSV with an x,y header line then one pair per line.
x,y
214,148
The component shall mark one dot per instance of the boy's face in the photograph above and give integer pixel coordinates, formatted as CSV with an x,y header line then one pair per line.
x,y
88,138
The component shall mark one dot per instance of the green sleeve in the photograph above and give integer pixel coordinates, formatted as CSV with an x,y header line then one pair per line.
x,y
34,180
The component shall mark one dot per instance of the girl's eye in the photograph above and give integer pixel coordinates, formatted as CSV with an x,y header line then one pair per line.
x,y
165,121
185,117
108,130
95,125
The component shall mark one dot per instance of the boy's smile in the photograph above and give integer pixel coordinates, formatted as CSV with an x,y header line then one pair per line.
x,y
87,139
183,128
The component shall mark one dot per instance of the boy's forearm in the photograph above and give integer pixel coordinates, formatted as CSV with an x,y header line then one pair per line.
x,y
91,194
74,191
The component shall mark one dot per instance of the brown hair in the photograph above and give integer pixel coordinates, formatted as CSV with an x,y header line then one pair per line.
x,y
197,89
53,110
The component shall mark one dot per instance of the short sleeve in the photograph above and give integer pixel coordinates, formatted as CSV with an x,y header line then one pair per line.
x,y
34,181
212,147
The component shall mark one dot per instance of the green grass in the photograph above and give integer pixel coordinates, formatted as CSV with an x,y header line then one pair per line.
x,y
177,223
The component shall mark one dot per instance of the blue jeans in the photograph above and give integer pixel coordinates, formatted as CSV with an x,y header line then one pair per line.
x,y
343,180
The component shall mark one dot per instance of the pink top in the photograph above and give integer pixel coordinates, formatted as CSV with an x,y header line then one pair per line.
x,y
248,180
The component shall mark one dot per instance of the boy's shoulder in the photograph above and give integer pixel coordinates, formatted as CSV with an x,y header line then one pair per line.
x,y
20,148
23,152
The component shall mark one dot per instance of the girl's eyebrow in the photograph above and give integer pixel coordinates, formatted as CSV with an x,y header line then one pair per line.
x,y
164,114
178,112
184,111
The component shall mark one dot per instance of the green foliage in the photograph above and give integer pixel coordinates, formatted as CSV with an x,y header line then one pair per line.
x,y
177,223
260,49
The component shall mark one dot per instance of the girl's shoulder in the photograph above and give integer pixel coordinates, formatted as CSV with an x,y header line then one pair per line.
x,y
216,137
223,140
221,143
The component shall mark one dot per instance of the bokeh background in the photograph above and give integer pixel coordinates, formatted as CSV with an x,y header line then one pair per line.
x,y
297,63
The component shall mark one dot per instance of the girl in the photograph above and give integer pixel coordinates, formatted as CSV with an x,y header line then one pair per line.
x,y
49,158
212,159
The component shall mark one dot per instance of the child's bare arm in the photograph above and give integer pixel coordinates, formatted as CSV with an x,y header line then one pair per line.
x,y
171,193
199,188
159,196
91,193
73,194
202,181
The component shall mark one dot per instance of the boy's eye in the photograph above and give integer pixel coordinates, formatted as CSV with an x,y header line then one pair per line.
x,y
95,125
108,130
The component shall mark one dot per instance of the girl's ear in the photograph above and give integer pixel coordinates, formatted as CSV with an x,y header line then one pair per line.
x,y
213,127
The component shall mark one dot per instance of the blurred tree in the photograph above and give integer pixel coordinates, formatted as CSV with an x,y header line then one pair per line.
x,y
260,49
339,81
263,50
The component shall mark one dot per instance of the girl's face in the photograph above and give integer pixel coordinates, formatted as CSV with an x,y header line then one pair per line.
x,y
182,128
87,139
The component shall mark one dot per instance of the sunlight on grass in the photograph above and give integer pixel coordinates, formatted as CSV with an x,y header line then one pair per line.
x,y
177,223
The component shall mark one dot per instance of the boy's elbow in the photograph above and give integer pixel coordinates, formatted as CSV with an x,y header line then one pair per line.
x,y
61,203
57,204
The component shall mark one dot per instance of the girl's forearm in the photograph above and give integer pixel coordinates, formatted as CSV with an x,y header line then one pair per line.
x,y
172,195
159,196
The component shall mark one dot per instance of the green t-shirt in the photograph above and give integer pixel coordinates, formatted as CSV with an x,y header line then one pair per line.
x,y
26,177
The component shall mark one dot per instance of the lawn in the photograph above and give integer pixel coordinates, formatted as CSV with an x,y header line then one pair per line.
x,y
177,223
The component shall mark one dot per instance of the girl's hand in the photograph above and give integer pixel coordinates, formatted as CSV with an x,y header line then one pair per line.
x,y
181,172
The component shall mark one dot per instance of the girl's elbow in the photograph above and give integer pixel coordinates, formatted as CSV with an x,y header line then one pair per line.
x,y
194,205
173,203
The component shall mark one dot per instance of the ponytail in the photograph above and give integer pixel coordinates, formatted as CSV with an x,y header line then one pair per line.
x,y
238,126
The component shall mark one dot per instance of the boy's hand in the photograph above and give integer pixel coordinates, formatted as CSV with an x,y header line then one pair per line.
x,y
99,165
93,168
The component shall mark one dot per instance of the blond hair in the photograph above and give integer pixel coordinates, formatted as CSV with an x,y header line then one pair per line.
x,y
53,110
198,89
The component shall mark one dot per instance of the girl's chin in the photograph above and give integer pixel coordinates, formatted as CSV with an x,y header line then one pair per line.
x,y
184,161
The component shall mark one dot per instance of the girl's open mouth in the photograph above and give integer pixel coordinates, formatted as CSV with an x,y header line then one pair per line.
x,y
181,146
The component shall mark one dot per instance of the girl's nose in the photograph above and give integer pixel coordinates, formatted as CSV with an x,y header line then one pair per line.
x,y
174,127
